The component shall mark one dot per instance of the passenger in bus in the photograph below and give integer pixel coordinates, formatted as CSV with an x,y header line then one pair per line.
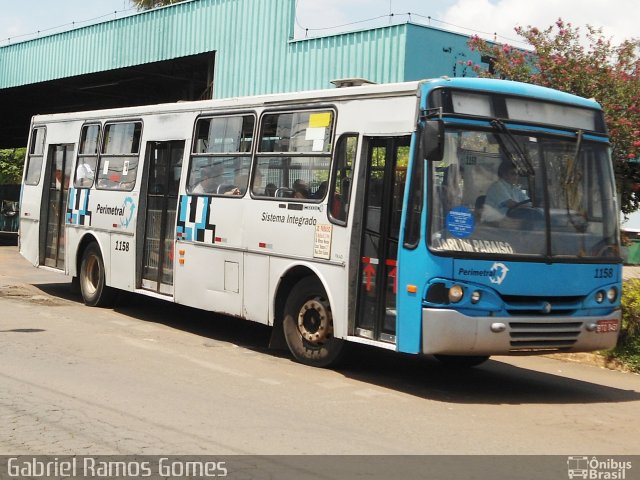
x,y
300,189
239,184
505,195
210,176
270,190
84,175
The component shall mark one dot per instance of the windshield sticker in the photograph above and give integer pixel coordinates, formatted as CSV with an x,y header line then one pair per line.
x,y
474,246
460,222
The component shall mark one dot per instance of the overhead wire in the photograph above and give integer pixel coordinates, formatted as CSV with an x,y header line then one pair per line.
x,y
392,15
73,24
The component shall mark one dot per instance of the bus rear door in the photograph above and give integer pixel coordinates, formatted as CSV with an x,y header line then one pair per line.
x,y
164,164
59,161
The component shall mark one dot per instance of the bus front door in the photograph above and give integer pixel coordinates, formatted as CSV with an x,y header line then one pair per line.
x,y
164,161
386,172
59,163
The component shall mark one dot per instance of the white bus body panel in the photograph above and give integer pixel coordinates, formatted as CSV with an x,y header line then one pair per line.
x,y
250,244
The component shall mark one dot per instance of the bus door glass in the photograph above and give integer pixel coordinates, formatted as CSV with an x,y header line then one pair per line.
x,y
386,174
164,164
59,167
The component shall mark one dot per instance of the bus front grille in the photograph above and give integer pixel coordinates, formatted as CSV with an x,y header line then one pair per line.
x,y
543,336
527,306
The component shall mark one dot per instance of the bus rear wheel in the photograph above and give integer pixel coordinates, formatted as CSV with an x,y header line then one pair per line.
x,y
462,361
308,325
95,292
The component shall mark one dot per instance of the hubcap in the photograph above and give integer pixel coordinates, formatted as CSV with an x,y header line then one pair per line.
x,y
315,322
91,277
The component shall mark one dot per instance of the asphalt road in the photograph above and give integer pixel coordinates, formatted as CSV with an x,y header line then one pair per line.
x,y
148,377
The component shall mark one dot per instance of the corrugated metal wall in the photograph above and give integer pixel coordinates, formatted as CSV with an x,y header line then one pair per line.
x,y
377,55
432,52
238,30
253,43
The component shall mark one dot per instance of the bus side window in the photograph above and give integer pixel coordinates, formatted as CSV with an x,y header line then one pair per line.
x,y
342,178
294,156
36,153
221,156
87,156
120,154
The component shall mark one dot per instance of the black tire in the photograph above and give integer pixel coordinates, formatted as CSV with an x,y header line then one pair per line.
x,y
95,292
308,325
462,361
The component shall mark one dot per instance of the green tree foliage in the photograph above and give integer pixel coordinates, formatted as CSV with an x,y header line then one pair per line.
x,y
149,4
628,349
590,66
11,162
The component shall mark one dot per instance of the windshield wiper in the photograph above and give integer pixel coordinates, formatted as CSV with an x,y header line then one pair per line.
x,y
578,220
517,155
573,167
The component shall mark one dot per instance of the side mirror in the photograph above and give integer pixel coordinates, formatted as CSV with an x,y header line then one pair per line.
x,y
433,140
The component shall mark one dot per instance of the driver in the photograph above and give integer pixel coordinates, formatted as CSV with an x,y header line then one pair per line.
x,y
504,194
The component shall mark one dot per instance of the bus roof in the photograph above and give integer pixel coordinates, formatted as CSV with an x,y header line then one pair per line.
x,y
509,87
310,96
332,94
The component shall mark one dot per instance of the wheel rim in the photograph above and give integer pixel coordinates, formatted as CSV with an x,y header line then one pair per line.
x,y
315,322
91,277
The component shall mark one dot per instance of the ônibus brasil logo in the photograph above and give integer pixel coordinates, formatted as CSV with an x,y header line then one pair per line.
x,y
596,469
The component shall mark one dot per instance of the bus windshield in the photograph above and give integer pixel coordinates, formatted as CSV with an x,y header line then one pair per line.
x,y
496,192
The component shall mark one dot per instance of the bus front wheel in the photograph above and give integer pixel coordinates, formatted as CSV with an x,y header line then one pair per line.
x,y
95,292
308,325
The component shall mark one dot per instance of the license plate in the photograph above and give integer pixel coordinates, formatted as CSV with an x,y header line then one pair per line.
x,y
605,326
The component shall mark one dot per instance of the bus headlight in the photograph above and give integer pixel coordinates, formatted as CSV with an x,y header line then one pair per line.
x,y
612,294
456,293
600,296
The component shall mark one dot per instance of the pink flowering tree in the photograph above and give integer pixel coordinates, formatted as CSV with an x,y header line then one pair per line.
x,y
590,66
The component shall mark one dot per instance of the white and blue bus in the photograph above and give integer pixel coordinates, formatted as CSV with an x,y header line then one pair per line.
x,y
457,217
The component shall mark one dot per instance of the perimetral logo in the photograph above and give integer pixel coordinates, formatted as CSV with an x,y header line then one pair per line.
x,y
498,273
129,208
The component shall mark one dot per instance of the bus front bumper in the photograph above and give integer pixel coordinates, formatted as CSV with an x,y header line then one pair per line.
x,y
452,333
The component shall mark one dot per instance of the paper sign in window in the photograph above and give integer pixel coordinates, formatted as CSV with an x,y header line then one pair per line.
x,y
316,135
317,120
105,167
125,168
322,241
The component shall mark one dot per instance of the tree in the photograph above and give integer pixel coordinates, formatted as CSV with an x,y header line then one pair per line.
x,y
11,162
149,4
596,68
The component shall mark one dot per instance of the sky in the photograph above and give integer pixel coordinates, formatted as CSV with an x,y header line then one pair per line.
x,y
19,19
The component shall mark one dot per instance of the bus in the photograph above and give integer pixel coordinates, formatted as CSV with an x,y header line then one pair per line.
x,y
367,214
